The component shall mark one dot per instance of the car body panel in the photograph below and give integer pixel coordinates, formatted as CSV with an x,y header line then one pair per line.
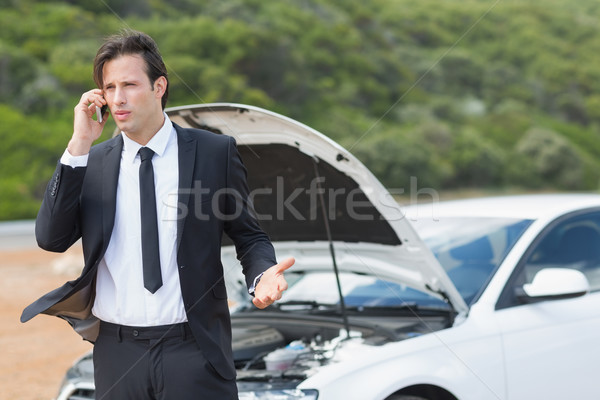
x,y
558,369
450,359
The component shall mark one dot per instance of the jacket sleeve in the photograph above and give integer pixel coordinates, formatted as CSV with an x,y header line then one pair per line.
x,y
57,225
253,247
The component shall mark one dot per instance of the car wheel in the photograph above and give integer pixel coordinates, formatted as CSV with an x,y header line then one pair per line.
x,y
405,397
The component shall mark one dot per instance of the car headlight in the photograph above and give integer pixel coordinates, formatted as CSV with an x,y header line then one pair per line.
x,y
287,394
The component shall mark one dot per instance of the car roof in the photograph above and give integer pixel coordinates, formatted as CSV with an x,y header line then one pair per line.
x,y
530,206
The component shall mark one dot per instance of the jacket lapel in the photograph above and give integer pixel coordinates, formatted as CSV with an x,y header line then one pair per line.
x,y
110,176
187,159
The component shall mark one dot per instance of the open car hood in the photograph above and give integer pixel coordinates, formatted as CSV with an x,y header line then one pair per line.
x,y
297,177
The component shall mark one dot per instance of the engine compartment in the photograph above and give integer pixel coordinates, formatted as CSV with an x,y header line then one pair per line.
x,y
267,351
277,347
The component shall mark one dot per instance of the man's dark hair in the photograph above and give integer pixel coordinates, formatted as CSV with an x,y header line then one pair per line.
x,y
130,42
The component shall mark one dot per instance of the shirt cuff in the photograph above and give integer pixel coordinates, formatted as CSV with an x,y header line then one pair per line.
x,y
74,161
256,280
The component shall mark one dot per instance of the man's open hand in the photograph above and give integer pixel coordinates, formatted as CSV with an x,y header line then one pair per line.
x,y
272,284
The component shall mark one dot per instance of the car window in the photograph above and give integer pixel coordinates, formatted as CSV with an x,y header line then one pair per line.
x,y
572,243
470,249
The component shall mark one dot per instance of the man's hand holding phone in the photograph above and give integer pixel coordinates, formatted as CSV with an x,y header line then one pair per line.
x,y
86,130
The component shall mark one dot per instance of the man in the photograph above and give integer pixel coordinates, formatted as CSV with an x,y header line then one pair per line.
x,y
151,294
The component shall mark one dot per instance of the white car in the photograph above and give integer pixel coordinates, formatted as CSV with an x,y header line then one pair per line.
x,y
493,298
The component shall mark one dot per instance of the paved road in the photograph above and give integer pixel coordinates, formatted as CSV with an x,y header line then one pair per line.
x,y
17,235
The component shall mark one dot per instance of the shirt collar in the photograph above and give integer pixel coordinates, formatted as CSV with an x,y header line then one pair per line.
x,y
158,143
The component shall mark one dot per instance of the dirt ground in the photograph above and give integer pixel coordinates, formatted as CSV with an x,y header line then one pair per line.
x,y
34,356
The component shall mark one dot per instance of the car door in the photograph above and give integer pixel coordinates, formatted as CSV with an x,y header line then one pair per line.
x,y
551,346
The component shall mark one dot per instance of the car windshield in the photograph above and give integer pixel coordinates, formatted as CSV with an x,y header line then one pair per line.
x,y
320,289
470,249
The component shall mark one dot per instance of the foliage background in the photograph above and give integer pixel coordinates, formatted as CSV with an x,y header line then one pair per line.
x,y
501,95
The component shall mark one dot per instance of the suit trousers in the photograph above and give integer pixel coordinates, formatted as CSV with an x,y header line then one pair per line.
x,y
154,363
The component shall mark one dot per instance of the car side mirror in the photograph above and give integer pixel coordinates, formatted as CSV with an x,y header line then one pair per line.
x,y
554,284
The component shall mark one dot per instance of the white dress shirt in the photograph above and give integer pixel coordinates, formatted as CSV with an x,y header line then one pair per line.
x,y
120,294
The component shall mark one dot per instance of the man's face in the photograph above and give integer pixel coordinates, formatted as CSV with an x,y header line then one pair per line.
x,y
134,102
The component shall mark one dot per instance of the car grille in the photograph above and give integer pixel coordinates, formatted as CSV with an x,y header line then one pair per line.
x,y
72,392
82,394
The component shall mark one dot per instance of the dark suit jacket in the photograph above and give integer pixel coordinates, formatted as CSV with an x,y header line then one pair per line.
x,y
80,203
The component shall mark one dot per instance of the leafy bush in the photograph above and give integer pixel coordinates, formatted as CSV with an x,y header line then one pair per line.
x,y
549,157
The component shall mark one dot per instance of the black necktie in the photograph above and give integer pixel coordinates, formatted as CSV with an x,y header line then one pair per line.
x,y
150,254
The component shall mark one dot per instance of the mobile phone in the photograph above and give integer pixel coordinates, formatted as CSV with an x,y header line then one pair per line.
x,y
100,111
